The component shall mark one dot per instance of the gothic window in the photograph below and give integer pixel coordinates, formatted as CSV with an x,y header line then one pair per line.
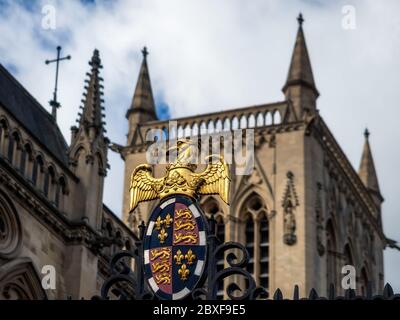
x,y
11,147
37,169
57,195
51,183
249,241
22,162
331,254
264,252
46,183
256,238
34,172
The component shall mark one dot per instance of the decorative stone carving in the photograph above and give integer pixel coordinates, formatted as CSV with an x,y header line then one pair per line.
x,y
254,178
10,230
289,204
19,281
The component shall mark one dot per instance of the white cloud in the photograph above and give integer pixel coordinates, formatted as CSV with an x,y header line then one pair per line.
x,y
212,55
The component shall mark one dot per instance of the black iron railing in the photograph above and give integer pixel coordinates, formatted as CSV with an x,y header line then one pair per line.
x,y
127,281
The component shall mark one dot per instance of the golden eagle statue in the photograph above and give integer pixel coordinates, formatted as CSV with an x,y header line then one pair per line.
x,y
180,177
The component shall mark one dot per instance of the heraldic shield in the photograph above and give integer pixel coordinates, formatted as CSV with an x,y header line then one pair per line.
x,y
175,248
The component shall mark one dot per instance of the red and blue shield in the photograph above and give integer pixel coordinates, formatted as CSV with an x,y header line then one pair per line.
x,y
175,248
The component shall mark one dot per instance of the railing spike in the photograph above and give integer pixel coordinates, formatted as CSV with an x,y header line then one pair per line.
x,y
278,294
369,291
388,291
349,294
313,295
296,292
332,294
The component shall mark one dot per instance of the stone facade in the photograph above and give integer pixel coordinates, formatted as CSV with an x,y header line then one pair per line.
x,y
51,209
304,212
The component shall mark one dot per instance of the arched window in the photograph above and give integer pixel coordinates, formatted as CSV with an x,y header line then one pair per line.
x,y
49,179
22,161
249,238
11,148
331,254
26,160
264,252
256,238
37,170
46,183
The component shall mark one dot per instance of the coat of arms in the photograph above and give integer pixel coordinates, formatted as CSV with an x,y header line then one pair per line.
x,y
175,239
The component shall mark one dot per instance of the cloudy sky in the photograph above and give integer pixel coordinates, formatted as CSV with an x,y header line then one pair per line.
x,y
217,55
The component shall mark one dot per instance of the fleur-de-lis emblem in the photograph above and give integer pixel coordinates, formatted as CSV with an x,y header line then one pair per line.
x,y
162,235
183,272
167,220
159,223
178,257
190,257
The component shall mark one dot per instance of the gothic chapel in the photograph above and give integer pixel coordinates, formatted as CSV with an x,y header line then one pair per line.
x,y
302,214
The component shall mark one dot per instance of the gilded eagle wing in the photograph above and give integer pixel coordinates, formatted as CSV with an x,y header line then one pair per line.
x,y
216,178
143,185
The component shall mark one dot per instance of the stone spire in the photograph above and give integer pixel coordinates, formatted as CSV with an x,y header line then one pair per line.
x,y
142,108
143,101
88,149
92,109
300,86
367,171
